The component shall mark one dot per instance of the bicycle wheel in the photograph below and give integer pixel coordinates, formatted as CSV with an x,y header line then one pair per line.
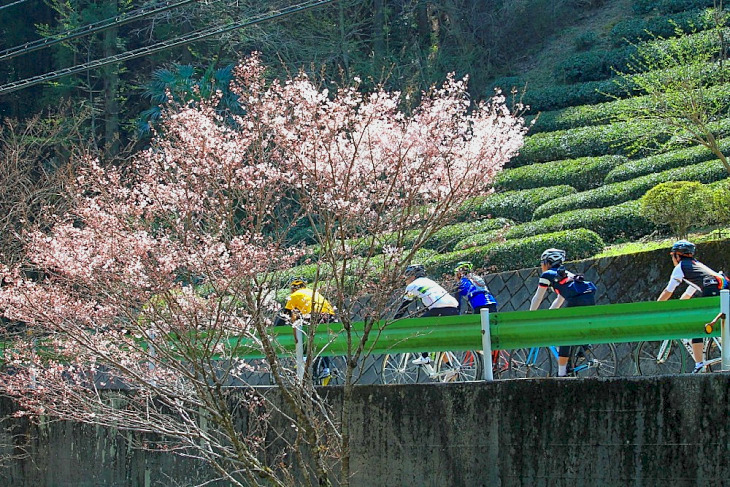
x,y
500,364
530,362
459,366
660,357
398,369
594,360
713,354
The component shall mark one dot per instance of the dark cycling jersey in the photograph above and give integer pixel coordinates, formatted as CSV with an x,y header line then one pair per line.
x,y
698,277
573,288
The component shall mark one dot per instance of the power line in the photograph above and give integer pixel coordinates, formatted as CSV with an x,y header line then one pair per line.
x,y
99,26
12,4
160,46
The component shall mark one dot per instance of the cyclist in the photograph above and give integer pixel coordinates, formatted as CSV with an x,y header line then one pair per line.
x,y
571,289
436,299
698,277
311,305
473,288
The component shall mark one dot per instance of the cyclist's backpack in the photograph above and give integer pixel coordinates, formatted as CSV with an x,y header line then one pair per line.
x,y
478,282
576,286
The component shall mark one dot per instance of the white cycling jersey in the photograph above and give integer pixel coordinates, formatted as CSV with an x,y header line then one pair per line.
x,y
430,293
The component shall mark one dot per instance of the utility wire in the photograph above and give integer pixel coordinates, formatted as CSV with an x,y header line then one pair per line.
x,y
160,46
99,26
12,4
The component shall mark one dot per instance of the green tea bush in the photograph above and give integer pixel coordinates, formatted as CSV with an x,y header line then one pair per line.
x,y
616,193
593,65
614,138
556,97
582,173
515,205
669,6
637,29
603,113
662,162
519,253
613,223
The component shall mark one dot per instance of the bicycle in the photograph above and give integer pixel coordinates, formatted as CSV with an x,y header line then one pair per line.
x,y
675,356
449,367
584,361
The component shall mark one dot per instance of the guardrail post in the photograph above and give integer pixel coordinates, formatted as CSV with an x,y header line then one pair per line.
x,y
486,345
300,350
725,309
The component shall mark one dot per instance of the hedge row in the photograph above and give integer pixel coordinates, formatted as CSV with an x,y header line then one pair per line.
x,y
669,6
662,162
616,193
601,64
592,92
516,205
582,173
520,253
613,223
637,29
602,113
614,138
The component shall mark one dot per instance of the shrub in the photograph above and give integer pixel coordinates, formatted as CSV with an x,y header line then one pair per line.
x,y
662,162
676,204
636,29
603,113
519,253
612,223
481,239
582,173
560,96
593,65
515,205
719,202
614,138
669,6
616,193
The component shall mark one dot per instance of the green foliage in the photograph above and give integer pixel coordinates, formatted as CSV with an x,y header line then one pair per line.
x,y
719,202
664,161
593,65
600,140
674,78
516,205
585,41
582,173
602,113
616,193
669,6
676,204
481,239
636,29
519,253
613,223
556,97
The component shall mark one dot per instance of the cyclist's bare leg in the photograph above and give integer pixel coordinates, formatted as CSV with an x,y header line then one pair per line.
x,y
698,351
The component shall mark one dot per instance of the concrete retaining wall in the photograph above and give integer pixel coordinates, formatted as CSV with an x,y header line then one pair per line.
x,y
640,431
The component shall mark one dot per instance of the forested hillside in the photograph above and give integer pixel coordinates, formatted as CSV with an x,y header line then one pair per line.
x,y
575,184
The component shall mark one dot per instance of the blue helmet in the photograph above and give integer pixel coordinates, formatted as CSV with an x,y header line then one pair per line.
x,y
684,247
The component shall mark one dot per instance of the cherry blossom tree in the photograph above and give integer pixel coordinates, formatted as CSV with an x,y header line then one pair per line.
x,y
141,301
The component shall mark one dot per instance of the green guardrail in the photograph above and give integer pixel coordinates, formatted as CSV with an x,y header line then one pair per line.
x,y
612,323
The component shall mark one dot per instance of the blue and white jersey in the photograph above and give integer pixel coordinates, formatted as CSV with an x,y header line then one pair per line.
x,y
477,295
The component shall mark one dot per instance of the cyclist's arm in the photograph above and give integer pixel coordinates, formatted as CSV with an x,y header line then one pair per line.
x,y
538,297
402,308
558,302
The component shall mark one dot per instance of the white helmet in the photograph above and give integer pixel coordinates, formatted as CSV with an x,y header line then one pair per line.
x,y
553,257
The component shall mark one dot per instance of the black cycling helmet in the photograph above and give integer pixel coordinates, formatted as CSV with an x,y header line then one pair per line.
x,y
297,283
684,247
464,266
415,270
553,257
